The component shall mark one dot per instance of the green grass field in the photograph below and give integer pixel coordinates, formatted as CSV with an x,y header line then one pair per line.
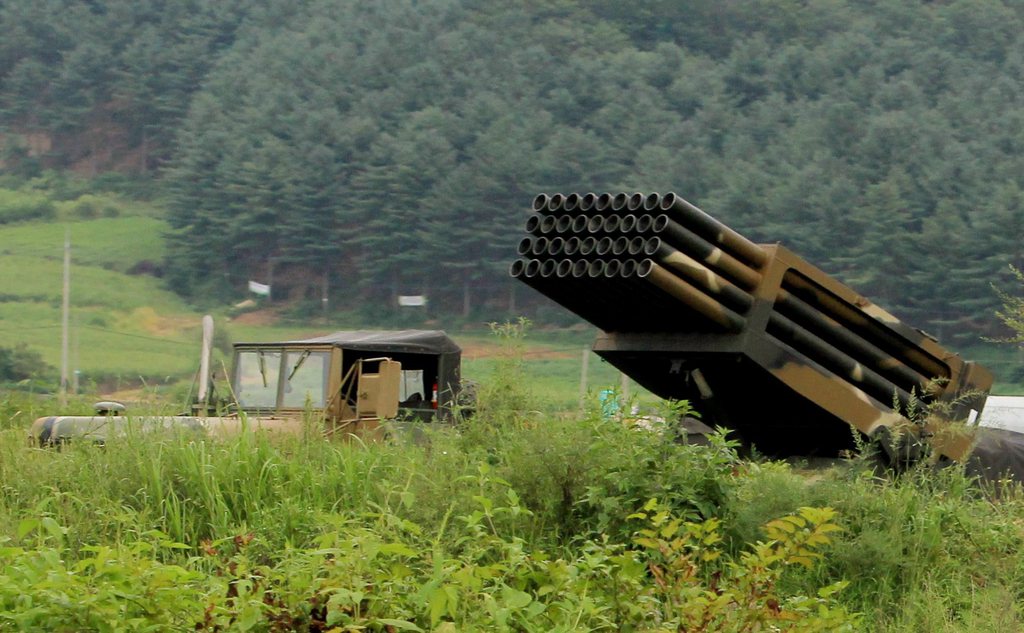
x,y
122,325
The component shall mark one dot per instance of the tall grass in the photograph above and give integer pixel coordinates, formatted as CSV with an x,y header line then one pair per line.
x,y
536,483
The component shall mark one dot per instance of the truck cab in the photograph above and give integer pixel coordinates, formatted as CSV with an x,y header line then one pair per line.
x,y
350,374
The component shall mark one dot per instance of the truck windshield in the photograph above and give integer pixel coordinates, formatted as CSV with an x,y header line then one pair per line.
x,y
302,378
306,379
256,379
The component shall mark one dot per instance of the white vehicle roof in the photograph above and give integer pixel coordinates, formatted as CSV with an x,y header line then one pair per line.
x,y
1003,412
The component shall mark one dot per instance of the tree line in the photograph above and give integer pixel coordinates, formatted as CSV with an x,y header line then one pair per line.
x,y
375,149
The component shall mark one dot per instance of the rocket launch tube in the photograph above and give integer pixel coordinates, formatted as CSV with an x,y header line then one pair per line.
x,y
712,229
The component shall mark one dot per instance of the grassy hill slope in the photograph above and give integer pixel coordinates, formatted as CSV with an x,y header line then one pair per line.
x,y
122,324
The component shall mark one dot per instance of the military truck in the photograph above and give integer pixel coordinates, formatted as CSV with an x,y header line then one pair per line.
x,y
348,383
759,340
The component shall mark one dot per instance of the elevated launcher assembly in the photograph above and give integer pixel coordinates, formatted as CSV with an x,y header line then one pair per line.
x,y
759,340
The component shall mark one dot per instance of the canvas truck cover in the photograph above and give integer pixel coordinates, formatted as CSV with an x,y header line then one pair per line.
x,y
430,350
759,340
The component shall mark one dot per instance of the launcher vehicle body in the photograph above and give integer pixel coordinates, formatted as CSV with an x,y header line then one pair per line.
x,y
343,384
759,340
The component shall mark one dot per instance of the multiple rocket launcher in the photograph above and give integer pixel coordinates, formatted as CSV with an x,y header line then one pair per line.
x,y
758,339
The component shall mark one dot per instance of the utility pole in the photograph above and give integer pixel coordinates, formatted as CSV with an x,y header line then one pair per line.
x,y
584,367
65,310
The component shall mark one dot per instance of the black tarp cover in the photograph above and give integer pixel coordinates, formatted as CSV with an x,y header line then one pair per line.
x,y
998,454
409,341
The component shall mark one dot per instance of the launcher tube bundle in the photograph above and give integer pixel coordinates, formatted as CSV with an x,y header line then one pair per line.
x,y
758,339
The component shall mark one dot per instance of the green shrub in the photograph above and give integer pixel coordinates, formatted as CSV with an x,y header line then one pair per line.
x,y
123,587
21,363
377,571
16,206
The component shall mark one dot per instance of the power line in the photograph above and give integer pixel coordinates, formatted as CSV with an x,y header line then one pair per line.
x,y
139,336
101,329
25,329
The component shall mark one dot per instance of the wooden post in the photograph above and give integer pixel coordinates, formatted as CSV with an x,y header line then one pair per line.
x,y
62,398
583,375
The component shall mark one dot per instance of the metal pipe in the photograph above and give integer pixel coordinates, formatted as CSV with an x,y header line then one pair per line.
x,y
830,357
644,223
555,246
865,326
696,246
547,224
525,246
619,202
540,246
652,201
555,203
540,202
704,278
612,268
517,268
690,296
533,223
603,203
587,246
830,330
620,246
547,268
596,269
604,246
661,311
714,230
563,269
572,245
611,224
579,223
555,290
636,202
636,246
587,202
563,224
627,223
579,268
572,202
596,224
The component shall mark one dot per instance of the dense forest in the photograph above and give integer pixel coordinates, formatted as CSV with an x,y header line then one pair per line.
x,y
375,149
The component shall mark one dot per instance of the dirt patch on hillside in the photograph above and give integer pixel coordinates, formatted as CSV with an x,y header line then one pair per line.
x,y
265,316
150,321
472,350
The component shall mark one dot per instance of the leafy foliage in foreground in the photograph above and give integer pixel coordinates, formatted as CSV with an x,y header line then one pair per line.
x,y
386,573
244,535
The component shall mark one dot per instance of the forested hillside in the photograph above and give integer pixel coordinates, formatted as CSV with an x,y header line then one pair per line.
x,y
394,147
